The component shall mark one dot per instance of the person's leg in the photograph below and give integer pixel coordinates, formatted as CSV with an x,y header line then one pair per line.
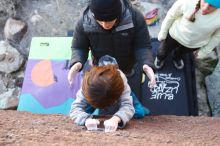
x,y
140,110
181,50
178,55
165,48
134,81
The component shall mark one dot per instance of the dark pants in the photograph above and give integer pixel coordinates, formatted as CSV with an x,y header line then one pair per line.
x,y
168,45
134,80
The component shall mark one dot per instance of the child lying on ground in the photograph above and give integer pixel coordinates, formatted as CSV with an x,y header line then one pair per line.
x,y
106,88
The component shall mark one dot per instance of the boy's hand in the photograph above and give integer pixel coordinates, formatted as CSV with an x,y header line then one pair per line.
x,y
72,72
111,125
150,74
91,124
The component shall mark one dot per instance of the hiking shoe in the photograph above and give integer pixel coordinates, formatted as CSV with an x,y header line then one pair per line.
x,y
178,64
158,63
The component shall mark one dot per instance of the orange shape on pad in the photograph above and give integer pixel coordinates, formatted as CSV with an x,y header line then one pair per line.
x,y
42,74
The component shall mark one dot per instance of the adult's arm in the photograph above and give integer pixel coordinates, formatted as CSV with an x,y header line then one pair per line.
x,y
80,45
142,42
173,13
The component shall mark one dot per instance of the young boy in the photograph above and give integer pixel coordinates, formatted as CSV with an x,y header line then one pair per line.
x,y
104,87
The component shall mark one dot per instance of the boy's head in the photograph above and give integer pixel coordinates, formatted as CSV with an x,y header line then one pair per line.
x,y
102,86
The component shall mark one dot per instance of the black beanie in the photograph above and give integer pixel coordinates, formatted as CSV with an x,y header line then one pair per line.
x,y
105,10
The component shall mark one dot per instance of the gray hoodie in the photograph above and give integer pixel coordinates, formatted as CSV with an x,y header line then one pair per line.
x,y
125,111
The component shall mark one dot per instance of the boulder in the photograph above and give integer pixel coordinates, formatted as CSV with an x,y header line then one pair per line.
x,y
10,59
8,100
7,9
14,30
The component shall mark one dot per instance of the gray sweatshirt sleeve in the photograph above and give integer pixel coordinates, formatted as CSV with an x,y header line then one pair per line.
x,y
126,110
77,112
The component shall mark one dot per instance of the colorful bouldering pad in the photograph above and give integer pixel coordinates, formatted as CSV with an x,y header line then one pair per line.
x,y
45,87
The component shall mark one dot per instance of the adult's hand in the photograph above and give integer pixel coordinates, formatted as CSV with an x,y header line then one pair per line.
x,y
150,74
72,72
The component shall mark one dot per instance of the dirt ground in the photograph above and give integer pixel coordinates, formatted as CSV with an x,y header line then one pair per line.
x,y
22,128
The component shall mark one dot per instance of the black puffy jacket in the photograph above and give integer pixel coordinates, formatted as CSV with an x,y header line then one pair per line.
x,y
128,41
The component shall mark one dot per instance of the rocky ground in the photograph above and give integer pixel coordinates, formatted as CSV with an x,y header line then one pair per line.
x,y
21,128
56,18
